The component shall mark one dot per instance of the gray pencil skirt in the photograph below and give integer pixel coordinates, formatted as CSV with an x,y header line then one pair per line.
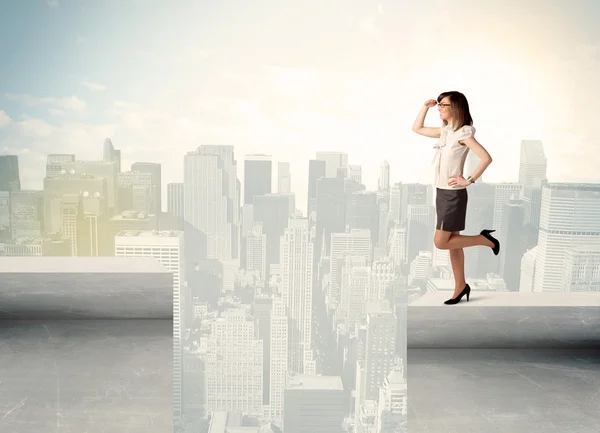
x,y
451,209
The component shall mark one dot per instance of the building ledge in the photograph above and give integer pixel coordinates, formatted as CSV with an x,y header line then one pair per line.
x,y
504,320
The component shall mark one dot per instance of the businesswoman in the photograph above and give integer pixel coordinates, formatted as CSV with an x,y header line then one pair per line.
x,y
456,139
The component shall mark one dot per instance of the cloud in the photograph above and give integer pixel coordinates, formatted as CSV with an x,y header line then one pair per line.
x,y
93,86
4,119
69,103
53,3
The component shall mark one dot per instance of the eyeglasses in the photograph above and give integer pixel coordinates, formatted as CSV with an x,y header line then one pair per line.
x,y
444,105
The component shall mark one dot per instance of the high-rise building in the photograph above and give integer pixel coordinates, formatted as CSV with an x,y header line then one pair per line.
x,y
135,192
513,244
352,242
211,204
257,176
5,225
9,173
393,409
314,404
278,359
55,163
110,154
533,163
167,248
256,251
296,288
284,178
383,184
380,347
234,364
273,211
316,170
569,217
27,214
362,212
582,269
335,163
175,200
155,171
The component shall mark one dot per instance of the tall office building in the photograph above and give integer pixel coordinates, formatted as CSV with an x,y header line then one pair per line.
x,y
504,193
335,163
234,364
107,170
278,359
582,269
27,214
256,251
353,242
354,172
380,346
513,244
296,287
569,218
175,199
135,192
284,178
331,212
273,211
393,409
110,154
55,163
383,183
167,248
5,226
155,171
362,212
314,404
9,173
533,162
211,204
316,170
257,176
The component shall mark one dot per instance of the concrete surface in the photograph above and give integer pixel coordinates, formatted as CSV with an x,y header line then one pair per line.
x,y
86,376
501,391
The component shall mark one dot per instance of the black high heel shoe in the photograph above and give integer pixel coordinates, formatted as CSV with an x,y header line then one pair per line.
x,y
486,234
466,291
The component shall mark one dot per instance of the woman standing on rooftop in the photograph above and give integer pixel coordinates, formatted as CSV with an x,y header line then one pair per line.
x,y
456,138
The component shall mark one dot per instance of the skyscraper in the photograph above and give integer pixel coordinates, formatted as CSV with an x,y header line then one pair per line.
x,y
569,217
211,204
155,171
257,176
316,170
533,163
9,173
284,178
296,276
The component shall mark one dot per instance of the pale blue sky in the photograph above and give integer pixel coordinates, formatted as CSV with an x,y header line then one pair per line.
x,y
288,78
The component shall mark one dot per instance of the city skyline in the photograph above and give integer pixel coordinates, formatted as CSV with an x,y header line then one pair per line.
x,y
356,85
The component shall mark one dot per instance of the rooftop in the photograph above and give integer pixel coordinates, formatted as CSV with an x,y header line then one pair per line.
x,y
151,233
80,265
308,382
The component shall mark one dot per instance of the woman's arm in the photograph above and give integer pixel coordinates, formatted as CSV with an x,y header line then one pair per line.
x,y
484,157
418,127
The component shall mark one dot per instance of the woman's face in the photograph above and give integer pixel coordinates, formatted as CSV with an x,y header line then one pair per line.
x,y
445,109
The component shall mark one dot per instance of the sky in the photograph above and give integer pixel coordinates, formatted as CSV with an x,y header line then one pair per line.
x,y
290,78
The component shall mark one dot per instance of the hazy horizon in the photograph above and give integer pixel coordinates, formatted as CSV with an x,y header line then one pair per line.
x,y
288,80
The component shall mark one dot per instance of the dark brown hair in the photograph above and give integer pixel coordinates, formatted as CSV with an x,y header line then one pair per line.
x,y
460,109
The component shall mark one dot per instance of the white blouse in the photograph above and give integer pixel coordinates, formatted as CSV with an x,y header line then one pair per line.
x,y
450,155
